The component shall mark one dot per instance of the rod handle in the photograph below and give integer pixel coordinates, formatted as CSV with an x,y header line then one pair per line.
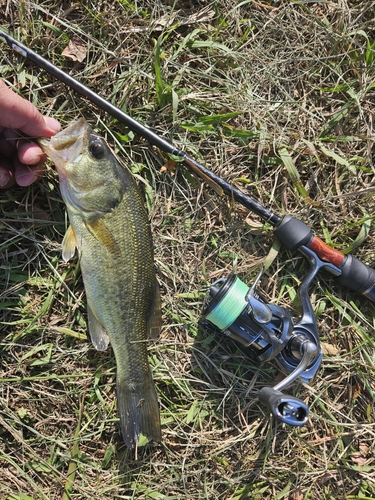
x,y
355,275
358,277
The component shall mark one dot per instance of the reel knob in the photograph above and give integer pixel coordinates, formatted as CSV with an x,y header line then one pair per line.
x,y
287,409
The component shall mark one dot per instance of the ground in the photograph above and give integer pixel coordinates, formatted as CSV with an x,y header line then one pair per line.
x,y
274,97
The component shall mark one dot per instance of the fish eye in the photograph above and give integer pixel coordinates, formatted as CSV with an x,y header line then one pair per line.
x,y
96,149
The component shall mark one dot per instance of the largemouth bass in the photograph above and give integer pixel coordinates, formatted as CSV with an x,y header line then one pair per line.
x,y
109,227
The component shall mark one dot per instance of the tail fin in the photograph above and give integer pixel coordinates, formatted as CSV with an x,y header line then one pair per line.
x,y
139,411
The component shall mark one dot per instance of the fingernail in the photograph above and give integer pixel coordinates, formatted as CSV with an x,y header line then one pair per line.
x,y
53,125
4,179
27,179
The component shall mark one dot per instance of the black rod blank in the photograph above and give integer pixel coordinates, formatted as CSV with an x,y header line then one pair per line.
x,y
293,233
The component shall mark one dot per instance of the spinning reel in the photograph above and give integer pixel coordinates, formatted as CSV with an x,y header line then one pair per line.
x,y
266,332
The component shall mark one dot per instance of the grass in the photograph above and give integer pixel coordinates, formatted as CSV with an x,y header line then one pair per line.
x,y
276,97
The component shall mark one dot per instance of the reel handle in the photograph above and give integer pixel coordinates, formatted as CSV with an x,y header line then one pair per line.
x,y
288,409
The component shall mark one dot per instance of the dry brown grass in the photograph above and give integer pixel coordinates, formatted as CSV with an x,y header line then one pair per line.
x,y
301,75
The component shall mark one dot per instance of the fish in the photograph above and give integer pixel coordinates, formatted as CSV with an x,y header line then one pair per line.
x,y
109,228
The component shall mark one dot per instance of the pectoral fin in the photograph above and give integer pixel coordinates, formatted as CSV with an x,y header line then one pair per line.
x,y
98,334
69,244
154,320
99,230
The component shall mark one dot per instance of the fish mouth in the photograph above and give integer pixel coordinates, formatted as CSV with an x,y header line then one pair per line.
x,y
66,146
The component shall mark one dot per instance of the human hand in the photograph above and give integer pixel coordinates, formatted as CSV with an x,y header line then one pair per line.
x,y
21,159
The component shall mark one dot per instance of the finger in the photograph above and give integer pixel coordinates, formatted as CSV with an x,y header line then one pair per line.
x,y
6,148
26,174
18,113
12,136
30,153
6,174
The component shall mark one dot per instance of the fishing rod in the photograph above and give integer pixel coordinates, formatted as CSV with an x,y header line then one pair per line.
x,y
290,231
